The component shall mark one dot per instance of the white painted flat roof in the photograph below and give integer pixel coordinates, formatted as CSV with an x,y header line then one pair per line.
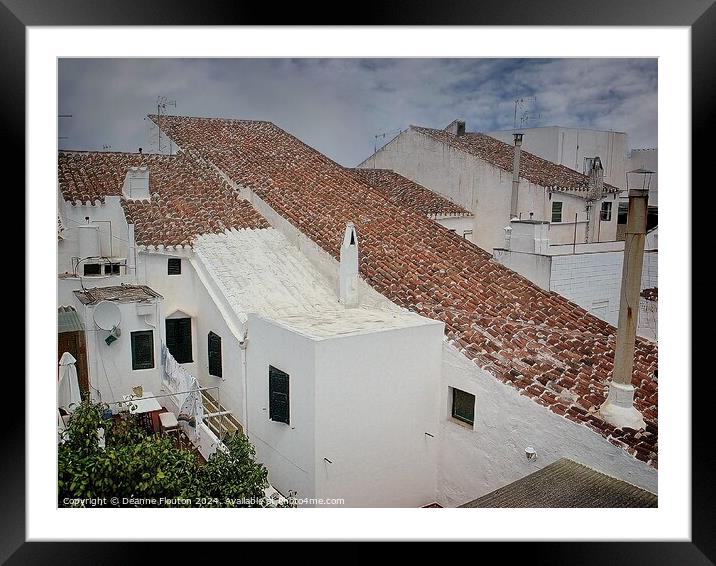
x,y
259,271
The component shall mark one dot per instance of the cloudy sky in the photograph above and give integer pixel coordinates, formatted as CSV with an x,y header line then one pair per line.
x,y
339,106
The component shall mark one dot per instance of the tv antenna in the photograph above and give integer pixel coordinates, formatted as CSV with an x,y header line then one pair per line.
x,y
524,106
162,104
383,135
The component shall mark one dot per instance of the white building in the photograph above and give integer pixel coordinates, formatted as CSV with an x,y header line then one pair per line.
x,y
369,354
476,171
588,274
576,148
409,194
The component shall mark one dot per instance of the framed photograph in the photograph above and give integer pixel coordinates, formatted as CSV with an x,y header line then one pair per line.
x,y
317,282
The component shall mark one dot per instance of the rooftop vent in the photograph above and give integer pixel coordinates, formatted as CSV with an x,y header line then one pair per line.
x,y
136,184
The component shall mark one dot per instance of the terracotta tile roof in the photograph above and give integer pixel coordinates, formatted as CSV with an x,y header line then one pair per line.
x,y
408,193
536,170
187,198
547,347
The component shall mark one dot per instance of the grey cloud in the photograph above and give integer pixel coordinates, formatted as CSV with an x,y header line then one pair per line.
x,y
339,105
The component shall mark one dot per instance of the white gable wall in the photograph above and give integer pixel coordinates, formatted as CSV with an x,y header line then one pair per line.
x,y
481,188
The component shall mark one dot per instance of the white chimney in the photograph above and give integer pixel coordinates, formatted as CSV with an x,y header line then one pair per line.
x,y
348,270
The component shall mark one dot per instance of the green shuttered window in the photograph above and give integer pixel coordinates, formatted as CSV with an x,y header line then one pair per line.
x,y
463,406
278,395
142,349
179,339
215,355
174,266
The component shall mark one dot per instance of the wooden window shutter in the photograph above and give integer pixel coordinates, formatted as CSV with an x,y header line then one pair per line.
x,y
278,395
179,339
215,355
174,266
142,349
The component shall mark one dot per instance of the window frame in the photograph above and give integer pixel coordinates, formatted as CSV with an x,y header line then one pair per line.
x,y
602,211
216,339
178,321
273,373
98,266
561,211
622,213
174,261
461,419
133,340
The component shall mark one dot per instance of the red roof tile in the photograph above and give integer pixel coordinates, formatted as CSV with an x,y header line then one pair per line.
x,y
539,342
187,198
409,194
535,169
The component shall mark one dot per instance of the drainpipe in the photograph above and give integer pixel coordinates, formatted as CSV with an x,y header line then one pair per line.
x,y
515,175
242,346
619,408
131,252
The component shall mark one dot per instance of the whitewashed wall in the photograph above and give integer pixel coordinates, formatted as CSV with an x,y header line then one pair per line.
x,y
474,462
288,451
74,215
110,366
462,225
376,397
194,293
535,267
592,280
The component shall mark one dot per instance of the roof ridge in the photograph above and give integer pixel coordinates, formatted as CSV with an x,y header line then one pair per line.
x,y
431,131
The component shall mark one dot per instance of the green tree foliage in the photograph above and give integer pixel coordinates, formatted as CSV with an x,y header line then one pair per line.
x,y
135,466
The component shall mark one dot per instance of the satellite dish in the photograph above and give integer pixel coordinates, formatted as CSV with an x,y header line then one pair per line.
x,y
107,315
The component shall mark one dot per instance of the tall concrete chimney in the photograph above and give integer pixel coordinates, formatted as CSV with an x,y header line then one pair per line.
x,y
515,175
594,196
619,408
348,269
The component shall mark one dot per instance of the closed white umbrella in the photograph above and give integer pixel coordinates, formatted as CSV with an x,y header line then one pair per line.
x,y
68,387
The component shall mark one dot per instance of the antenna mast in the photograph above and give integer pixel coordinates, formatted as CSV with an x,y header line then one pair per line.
x,y
162,103
522,106
383,135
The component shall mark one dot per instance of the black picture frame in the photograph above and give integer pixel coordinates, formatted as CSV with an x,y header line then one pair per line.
x,y
699,15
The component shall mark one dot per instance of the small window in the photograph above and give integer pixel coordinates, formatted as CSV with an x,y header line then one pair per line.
x,y
143,349
605,215
556,211
93,269
622,212
174,266
179,339
215,355
111,269
463,406
588,164
278,395
467,233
